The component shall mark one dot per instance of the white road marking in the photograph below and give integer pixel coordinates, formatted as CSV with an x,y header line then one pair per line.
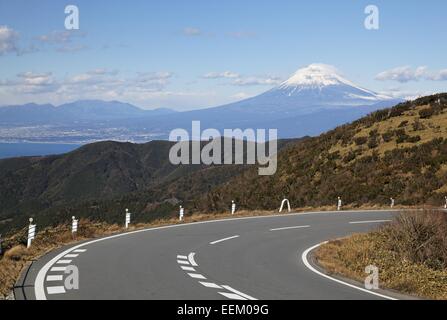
x,y
55,278
182,262
369,221
63,262
39,288
73,255
287,228
246,296
196,276
191,259
182,257
188,268
210,285
232,296
57,269
56,290
225,239
309,266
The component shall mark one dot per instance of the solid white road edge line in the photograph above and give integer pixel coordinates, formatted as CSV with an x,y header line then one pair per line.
x,y
287,228
191,259
369,221
239,293
309,266
39,282
224,239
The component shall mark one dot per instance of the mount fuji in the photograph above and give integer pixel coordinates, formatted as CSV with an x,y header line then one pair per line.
x,y
313,100
311,89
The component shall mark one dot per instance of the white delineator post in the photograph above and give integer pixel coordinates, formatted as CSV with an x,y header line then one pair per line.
x,y
181,213
392,202
445,204
31,232
282,205
127,222
233,207
339,204
74,225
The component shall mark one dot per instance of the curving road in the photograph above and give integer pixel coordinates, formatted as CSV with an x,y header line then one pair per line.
x,y
242,259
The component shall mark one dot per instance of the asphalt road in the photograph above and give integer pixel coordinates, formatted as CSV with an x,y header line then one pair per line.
x,y
245,258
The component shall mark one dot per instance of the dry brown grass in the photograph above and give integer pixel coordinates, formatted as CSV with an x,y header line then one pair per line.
x,y
410,254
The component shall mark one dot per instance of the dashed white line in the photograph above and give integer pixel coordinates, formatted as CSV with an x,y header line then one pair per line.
x,y
196,276
210,285
232,296
71,255
80,250
369,221
59,269
224,239
56,290
182,257
287,228
191,259
188,268
63,262
55,278
182,262
246,296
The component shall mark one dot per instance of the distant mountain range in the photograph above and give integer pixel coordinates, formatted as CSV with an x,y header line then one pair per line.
x,y
83,110
313,100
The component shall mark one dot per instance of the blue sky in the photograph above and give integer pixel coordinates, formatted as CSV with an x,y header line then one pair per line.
x,y
195,54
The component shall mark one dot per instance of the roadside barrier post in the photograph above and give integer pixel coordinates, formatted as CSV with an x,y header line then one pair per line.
x,y
392,202
74,225
282,205
31,232
127,222
233,207
181,213
445,205
339,204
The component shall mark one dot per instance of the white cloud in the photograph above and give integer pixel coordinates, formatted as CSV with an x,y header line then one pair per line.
x,y
407,74
8,40
58,37
257,81
220,75
241,96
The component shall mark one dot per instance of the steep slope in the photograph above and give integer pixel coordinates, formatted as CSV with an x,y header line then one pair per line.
x,y
55,187
399,152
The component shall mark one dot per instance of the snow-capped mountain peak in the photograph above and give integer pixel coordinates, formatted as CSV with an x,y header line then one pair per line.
x,y
322,82
316,75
